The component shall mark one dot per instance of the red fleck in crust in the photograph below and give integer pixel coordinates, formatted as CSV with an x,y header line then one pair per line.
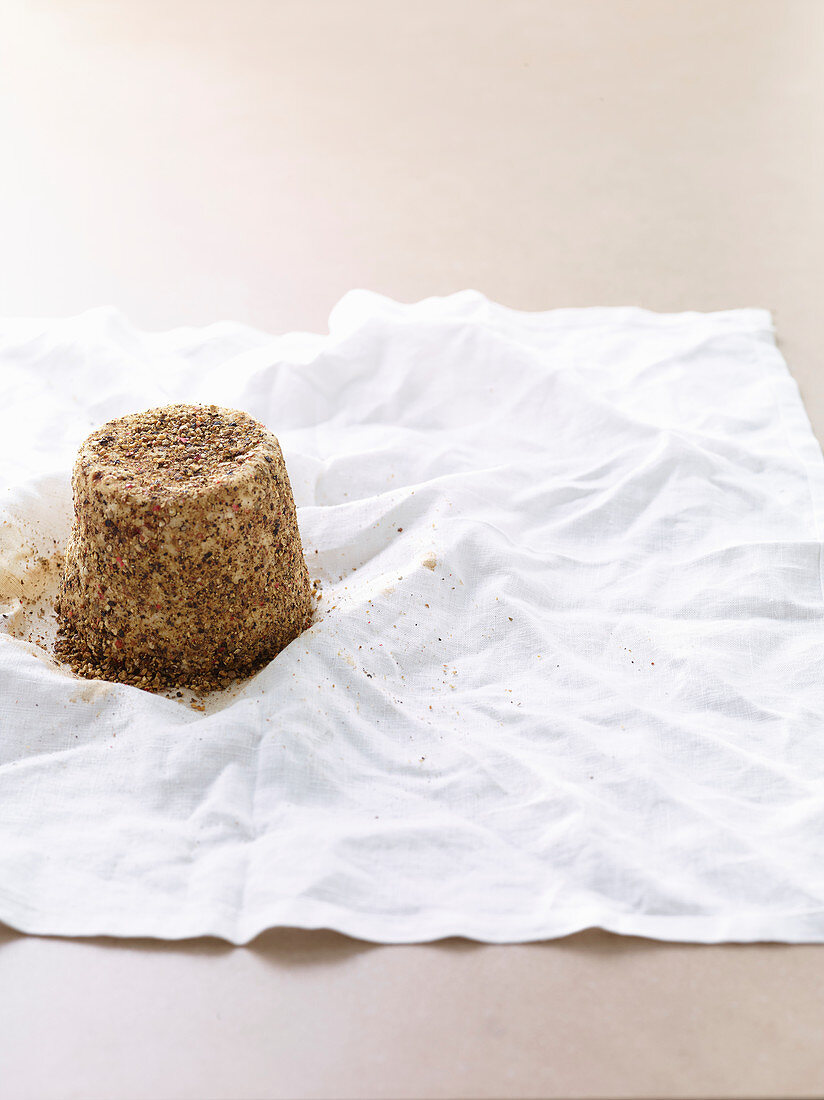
x,y
185,565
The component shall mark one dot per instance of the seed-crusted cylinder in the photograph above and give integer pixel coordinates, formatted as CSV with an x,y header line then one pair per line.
x,y
184,566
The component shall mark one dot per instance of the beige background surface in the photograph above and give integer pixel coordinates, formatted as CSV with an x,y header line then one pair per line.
x,y
190,160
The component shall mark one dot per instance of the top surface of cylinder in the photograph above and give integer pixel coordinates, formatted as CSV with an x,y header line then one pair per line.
x,y
174,449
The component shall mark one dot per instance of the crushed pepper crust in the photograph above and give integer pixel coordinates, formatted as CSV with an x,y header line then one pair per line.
x,y
184,566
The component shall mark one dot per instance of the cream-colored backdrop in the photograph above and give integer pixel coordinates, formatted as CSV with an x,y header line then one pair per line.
x,y
191,160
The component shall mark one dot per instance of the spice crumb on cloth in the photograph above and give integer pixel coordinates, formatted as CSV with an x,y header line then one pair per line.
x,y
185,565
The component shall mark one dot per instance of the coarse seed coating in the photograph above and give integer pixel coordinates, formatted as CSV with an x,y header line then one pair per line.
x,y
184,566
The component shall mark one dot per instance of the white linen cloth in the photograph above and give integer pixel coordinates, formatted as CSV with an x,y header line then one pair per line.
x,y
568,669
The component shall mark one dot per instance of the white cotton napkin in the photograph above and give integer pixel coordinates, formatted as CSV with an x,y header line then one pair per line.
x,y
568,669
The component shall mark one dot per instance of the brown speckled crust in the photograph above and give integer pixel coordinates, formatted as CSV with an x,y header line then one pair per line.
x,y
184,566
